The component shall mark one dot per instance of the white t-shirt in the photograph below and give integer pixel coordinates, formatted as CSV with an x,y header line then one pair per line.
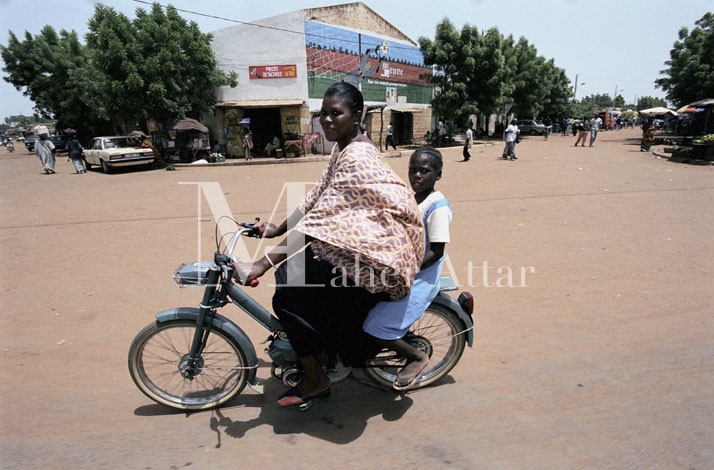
x,y
438,221
511,132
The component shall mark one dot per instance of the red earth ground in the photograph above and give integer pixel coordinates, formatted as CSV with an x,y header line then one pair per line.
x,y
600,356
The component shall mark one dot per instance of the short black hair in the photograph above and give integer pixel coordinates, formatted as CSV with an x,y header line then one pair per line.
x,y
352,96
436,160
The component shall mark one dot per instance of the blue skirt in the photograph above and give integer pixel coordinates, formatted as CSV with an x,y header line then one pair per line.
x,y
391,320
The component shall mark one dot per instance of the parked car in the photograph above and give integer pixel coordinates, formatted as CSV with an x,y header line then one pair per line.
x,y
531,127
116,151
30,142
60,142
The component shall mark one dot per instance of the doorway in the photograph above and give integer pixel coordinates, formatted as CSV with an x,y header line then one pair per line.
x,y
264,124
403,127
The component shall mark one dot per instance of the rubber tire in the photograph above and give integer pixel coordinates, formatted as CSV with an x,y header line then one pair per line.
x,y
434,371
174,344
105,168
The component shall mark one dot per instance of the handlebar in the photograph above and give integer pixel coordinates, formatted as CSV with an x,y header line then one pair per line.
x,y
250,229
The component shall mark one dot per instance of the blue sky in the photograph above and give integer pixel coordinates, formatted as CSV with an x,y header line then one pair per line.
x,y
611,45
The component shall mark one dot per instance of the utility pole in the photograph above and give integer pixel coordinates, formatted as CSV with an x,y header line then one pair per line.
x,y
575,91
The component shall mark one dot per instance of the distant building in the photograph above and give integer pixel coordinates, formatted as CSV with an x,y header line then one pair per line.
x,y
286,62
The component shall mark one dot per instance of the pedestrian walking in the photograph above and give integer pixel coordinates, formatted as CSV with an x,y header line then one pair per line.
x,y
246,138
648,129
510,136
595,124
581,127
76,154
45,151
440,132
468,143
390,137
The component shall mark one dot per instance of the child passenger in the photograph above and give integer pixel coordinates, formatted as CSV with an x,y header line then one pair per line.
x,y
389,322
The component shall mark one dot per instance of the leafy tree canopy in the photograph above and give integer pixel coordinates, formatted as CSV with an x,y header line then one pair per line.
x,y
647,102
156,66
689,75
480,72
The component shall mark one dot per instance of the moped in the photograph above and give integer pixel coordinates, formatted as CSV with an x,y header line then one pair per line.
x,y
194,358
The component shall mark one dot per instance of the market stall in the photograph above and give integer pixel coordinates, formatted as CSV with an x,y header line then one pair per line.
x,y
186,140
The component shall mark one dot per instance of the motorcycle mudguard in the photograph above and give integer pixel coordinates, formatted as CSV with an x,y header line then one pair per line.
x,y
220,323
447,302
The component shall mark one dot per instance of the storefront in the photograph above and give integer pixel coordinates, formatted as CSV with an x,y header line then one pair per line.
x,y
269,119
286,62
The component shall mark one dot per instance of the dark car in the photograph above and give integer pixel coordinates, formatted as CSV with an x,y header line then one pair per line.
x,y
30,142
60,142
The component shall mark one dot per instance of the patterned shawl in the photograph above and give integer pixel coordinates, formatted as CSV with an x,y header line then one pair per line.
x,y
360,211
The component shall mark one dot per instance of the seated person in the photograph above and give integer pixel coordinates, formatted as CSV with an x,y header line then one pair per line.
x,y
388,322
272,145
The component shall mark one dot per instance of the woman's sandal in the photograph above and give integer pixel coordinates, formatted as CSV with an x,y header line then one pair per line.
x,y
294,397
414,380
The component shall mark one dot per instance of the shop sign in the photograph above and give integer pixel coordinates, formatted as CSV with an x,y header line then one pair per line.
x,y
313,137
272,71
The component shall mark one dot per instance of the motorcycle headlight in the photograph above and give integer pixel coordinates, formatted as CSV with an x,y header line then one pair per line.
x,y
192,274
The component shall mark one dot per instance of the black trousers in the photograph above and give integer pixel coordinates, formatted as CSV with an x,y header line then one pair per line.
x,y
323,314
467,155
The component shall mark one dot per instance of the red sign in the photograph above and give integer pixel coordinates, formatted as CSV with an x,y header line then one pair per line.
x,y
313,137
272,71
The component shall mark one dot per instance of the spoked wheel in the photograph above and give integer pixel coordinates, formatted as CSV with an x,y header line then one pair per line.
x,y
160,367
439,333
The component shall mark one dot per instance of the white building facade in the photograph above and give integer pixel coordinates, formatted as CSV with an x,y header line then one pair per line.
x,y
286,62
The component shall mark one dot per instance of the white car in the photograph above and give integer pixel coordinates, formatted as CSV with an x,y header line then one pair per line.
x,y
531,127
117,151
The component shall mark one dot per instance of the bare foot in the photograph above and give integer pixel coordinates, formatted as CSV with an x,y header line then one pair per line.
x,y
410,374
316,388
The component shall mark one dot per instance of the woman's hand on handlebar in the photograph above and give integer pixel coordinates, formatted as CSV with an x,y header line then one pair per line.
x,y
268,230
248,273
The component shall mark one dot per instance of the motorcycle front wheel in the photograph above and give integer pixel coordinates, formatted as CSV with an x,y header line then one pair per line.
x,y
159,366
439,333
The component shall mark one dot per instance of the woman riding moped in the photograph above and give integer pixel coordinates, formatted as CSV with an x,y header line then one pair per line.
x,y
365,242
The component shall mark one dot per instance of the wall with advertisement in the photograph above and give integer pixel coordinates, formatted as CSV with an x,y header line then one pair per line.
x,y
286,62
333,54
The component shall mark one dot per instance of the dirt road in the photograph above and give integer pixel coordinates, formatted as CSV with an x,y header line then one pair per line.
x,y
597,352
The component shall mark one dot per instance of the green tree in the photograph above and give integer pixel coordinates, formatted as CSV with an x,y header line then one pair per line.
x,y
619,101
647,102
557,99
42,68
526,83
479,73
113,54
468,70
158,66
177,65
690,69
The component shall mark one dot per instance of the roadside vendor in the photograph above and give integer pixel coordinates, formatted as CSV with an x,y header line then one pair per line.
x,y
146,143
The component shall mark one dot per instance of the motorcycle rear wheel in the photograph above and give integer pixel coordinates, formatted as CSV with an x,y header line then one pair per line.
x,y
439,333
157,364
